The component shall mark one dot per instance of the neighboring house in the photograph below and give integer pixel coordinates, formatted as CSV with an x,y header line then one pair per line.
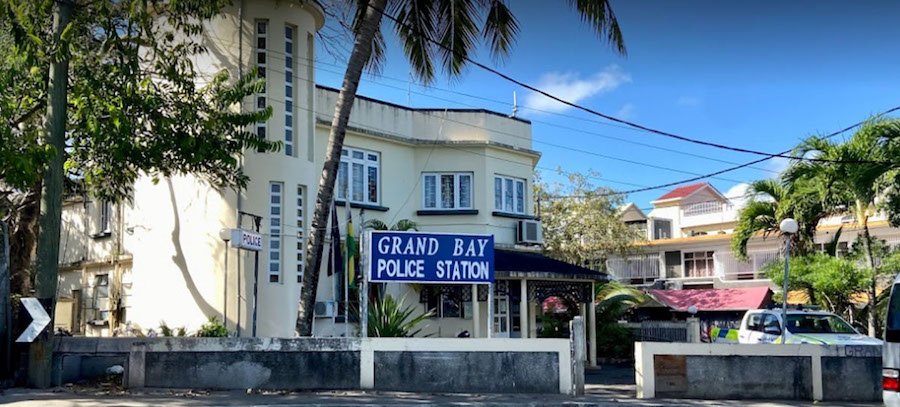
x,y
448,170
688,242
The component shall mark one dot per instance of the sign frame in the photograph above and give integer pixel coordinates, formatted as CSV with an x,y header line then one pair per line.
x,y
370,265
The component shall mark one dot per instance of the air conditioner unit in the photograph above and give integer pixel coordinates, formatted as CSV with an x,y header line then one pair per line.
x,y
529,232
326,309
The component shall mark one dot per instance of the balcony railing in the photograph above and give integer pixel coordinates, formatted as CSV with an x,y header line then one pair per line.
x,y
728,267
639,269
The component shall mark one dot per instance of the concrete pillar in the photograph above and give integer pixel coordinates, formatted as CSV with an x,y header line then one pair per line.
x,y
693,330
592,332
476,313
135,375
523,310
576,332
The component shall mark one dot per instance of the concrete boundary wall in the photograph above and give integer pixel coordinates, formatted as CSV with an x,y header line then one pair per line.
x,y
800,372
447,365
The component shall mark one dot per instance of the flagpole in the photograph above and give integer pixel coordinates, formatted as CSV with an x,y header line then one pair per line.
x,y
347,283
364,290
333,267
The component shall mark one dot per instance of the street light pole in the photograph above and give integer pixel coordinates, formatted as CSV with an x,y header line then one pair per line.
x,y
788,228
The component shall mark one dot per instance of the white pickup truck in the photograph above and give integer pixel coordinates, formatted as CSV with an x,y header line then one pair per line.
x,y
803,326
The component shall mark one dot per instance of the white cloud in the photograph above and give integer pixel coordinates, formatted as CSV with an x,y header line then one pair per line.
x,y
738,195
626,112
573,88
688,101
777,164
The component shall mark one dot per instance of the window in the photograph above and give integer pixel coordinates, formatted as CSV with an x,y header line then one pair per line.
x,y
818,324
754,322
662,229
105,217
301,228
262,28
289,90
447,190
444,302
275,206
101,297
509,194
358,176
703,208
699,264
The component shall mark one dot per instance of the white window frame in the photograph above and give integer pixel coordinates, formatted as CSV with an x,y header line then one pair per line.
x,y
706,256
345,170
457,197
104,224
301,232
274,263
261,131
289,89
503,189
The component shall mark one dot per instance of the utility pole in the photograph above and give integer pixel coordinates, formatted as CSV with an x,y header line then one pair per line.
x,y
47,272
5,310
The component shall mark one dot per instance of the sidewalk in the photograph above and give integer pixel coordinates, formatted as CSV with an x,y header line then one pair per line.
x,y
65,397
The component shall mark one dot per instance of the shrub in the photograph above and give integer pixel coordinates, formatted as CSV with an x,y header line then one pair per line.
x,y
212,329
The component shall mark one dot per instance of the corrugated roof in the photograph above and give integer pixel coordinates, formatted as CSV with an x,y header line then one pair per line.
x,y
715,299
682,192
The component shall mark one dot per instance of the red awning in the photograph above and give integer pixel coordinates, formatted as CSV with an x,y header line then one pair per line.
x,y
721,299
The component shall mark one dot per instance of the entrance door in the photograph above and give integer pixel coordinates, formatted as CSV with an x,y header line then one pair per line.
x,y
501,316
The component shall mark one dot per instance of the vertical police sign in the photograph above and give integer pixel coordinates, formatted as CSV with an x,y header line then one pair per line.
x,y
417,257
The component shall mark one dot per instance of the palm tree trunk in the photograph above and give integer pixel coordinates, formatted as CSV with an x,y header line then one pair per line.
x,y
870,262
362,50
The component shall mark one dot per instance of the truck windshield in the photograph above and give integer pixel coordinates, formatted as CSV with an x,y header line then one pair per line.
x,y
818,324
892,330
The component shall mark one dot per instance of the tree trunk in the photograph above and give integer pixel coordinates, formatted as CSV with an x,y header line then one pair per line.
x,y
870,262
23,238
47,272
362,50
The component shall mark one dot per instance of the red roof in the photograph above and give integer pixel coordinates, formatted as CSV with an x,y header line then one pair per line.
x,y
682,192
715,299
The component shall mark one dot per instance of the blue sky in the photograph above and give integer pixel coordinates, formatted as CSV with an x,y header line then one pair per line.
x,y
758,75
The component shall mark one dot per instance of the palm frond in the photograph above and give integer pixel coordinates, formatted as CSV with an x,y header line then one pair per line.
x,y
457,33
414,26
599,14
500,29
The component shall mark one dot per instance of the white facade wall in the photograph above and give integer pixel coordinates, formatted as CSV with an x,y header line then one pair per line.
x,y
164,244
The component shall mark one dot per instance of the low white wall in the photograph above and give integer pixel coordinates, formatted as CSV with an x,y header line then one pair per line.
x,y
645,354
507,365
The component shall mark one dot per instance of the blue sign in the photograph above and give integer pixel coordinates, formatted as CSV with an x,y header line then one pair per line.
x,y
417,257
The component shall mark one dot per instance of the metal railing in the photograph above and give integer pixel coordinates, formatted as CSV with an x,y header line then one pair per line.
x,y
658,331
728,267
637,269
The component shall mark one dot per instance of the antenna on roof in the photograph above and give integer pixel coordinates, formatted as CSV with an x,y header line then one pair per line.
x,y
515,108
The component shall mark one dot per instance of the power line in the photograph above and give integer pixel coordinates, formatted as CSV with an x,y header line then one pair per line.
x,y
615,119
561,146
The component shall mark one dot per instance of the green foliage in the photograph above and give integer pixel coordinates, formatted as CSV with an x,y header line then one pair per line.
x,y
164,329
212,329
829,281
401,225
389,318
581,222
613,301
136,103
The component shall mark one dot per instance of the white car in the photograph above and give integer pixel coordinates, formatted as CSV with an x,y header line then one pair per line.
x,y
890,381
803,326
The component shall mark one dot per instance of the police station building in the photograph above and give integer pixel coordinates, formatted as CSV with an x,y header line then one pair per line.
x,y
160,257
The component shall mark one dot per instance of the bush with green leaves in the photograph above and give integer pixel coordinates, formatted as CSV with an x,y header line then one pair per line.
x,y
212,329
389,318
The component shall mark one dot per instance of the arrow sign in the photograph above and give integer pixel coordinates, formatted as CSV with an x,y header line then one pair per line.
x,y
39,319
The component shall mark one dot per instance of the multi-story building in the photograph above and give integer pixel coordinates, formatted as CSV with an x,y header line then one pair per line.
x,y
688,242
159,256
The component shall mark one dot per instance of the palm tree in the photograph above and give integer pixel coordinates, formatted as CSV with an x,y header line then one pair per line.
x,y
855,176
771,201
401,225
389,318
441,30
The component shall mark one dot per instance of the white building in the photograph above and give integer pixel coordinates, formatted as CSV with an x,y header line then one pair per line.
x,y
160,257
688,242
